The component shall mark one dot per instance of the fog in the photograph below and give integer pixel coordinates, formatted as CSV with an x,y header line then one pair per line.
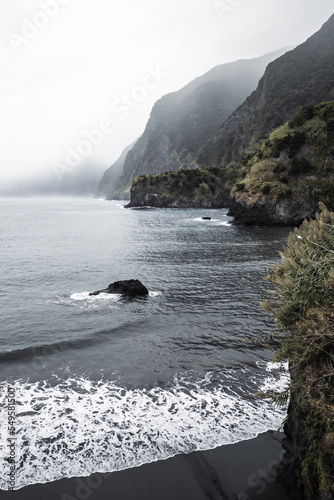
x,y
79,77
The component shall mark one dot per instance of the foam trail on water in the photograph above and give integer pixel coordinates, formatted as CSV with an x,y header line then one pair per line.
x,y
79,426
200,219
102,296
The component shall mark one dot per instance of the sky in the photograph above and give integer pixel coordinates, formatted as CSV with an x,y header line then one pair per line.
x,y
79,77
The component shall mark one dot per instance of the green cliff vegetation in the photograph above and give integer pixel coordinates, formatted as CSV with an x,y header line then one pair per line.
x,y
191,183
303,308
297,160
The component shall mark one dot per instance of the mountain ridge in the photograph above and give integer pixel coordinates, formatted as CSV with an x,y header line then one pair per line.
x,y
181,122
304,75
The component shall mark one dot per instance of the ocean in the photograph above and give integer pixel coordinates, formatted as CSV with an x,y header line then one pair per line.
x,y
104,383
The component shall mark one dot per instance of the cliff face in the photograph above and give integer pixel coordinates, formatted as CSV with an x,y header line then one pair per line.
x,y
302,307
112,175
291,173
148,197
261,210
181,122
193,188
282,184
295,446
298,471
280,179
300,77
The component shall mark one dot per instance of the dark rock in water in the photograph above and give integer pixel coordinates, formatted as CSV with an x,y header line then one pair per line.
x,y
206,218
130,288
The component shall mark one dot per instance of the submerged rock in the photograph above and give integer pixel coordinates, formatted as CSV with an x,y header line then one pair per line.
x,y
130,288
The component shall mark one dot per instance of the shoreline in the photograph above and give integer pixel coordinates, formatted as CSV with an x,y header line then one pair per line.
x,y
245,470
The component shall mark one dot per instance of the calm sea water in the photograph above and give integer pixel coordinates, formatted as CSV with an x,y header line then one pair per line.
x,y
104,383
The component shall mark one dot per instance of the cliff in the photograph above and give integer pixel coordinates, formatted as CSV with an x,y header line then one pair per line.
x,y
195,188
302,306
291,173
181,122
261,210
277,178
300,77
282,184
111,176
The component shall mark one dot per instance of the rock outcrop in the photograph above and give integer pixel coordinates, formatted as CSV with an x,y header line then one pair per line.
x,y
184,189
148,197
129,288
295,445
261,210
292,171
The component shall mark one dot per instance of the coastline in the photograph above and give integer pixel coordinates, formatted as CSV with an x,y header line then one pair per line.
x,y
245,470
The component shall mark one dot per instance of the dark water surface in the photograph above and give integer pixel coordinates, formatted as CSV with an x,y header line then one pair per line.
x,y
104,383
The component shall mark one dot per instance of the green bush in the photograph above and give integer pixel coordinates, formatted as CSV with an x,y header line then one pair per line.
x,y
304,114
303,307
266,189
316,130
291,142
300,166
279,168
240,186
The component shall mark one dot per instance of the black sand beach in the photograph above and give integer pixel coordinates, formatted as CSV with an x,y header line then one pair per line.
x,y
241,471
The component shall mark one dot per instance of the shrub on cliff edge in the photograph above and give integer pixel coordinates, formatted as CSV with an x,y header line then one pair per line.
x,y
303,308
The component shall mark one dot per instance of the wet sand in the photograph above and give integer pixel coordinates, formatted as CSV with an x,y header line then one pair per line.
x,y
241,471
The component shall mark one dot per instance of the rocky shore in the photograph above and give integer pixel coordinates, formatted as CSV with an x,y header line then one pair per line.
x,y
261,210
148,197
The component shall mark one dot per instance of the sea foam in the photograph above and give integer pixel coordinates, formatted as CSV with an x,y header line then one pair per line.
x,y
76,426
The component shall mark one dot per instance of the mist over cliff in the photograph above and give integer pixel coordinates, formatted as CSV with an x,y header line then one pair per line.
x,y
181,122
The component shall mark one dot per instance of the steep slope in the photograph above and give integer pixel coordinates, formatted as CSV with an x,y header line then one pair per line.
x,y
302,307
302,76
282,184
181,122
112,175
291,173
